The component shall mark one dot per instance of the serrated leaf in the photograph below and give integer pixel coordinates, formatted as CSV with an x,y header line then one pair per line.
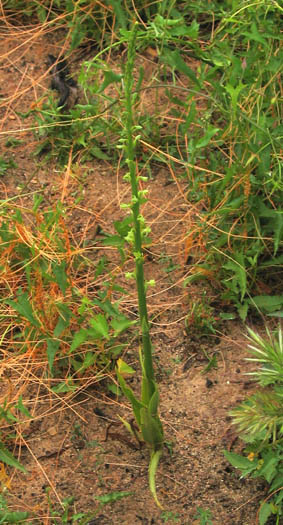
x,y
120,325
100,324
23,307
78,339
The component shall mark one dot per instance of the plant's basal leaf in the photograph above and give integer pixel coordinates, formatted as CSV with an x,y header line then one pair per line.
x,y
114,240
151,429
136,404
154,460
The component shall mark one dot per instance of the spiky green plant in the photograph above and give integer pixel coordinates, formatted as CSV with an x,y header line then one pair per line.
x,y
260,422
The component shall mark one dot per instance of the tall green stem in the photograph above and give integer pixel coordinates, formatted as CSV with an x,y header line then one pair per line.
x,y
145,409
136,212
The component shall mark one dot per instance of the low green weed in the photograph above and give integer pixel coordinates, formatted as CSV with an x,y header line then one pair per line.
x,y
52,317
6,164
241,185
8,516
204,516
260,423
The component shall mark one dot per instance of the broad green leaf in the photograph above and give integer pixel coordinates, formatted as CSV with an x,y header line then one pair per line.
x,y
239,271
154,402
98,153
120,325
241,462
175,60
234,93
110,77
151,429
23,307
52,349
269,303
114,389
269,468
264,513
100,324
253,34
12,517
59,271
114,240
201,143
64,319
78,339
89,360
9,459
